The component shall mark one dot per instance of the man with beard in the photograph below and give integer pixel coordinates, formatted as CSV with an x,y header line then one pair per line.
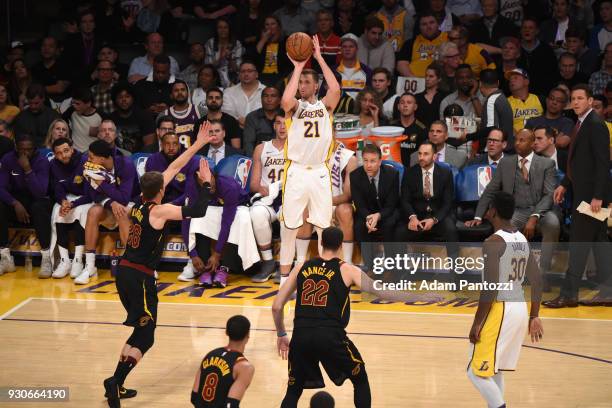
x,y
108,132
214,102
175,190
184,113
135,127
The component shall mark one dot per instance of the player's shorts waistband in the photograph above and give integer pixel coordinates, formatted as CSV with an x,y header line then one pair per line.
x,y
308,166
138,267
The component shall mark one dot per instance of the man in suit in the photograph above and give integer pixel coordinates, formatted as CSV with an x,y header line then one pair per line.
x,y
438,135
491,27
375,195
544,145
531,179
427,203
497,141
588,180
165,124
217,149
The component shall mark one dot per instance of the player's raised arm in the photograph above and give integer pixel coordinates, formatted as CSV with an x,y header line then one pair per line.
x,y
332,97
180,162
282,297
535,279
288,101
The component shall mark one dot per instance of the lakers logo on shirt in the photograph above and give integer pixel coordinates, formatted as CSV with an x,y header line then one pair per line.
x,y
77,179
180,177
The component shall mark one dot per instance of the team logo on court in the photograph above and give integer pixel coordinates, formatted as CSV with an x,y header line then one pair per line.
x,y
144,320
484,366
243,168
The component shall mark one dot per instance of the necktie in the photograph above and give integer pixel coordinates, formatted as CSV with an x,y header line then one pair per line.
x,y
427,186
570,153
494,164
524,170
214,155
373,186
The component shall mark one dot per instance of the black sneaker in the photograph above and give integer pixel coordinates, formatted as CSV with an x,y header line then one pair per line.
x,y
112,392
125,393
266,272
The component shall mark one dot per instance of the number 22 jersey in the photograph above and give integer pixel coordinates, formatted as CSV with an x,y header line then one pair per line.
x,y
310,134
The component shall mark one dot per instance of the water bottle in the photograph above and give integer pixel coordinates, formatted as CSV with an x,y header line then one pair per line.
x,y
28,263
114,264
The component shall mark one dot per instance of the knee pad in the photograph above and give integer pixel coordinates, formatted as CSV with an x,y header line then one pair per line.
x,y
143,337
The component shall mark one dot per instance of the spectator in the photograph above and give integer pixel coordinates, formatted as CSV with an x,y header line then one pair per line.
x,y
293,18
329,42
445,153
110,197
445,18
67,179
21,79
531,179
496,110
601,34
245,97
149,17
102,99
413,128
14,52
508,61
588,59
165,124
416,55
217,149
154,91
24,181
372,49
537,57
272,61
82,47
36,118
375,195
398,24
259,124
471,54
467,11
224,52
347,18
553,117
381,84
8,111
524,105
208,78
354,75
430,99
83,119
248,21
451,59
369,108
135,127
467,94
544,145
58,129
231,127
568,71
185,114
54,73
600,79
491,27
212,10
117,21
108,132
196,59
497,142
600,106
552,32
109,53
143,67
426,202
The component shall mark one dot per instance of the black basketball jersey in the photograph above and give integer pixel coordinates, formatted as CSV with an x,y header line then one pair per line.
x,y
145,244
217,376
322,296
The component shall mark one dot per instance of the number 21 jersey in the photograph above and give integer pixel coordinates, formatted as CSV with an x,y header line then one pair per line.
x,y
310,134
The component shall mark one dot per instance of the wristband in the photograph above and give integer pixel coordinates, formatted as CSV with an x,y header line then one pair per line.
x,y
281,334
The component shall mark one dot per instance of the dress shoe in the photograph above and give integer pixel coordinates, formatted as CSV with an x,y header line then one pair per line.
x,y
560,302
597,300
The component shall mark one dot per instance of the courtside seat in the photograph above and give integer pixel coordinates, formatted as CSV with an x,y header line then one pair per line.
x,y
238,167
470,183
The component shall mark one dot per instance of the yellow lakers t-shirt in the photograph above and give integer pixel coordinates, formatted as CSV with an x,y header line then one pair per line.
x,y
271,59
478,59
423,53
523,110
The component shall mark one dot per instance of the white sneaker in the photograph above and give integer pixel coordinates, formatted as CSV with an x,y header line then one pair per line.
x,y
7,264
188,273
46,269
63,269
88,272
77,268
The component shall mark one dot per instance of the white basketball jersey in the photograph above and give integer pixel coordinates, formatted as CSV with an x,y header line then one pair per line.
x,y
513,265
272,163
336,163
310,134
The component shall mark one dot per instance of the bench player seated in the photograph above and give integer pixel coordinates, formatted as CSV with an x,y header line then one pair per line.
x,y
268,167
225,374
70,209
111,183
175,190
341,163
24,180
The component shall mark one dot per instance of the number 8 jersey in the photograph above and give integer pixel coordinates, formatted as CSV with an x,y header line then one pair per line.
x,y
513,265
309,135
217,377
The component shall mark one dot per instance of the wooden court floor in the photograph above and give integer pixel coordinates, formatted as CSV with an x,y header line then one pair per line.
x,y
56,334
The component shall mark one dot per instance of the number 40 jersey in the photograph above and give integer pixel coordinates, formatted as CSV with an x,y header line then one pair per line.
x,y
310,134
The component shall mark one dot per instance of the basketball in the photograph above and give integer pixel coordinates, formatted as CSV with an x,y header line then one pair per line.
x,y
299,46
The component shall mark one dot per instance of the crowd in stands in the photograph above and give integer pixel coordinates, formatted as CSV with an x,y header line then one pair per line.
x,y
513,66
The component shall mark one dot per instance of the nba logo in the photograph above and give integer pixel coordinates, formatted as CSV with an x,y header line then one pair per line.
x,y
484,177
243,168
140,165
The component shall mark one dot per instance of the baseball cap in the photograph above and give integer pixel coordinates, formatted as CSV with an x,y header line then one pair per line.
x,y
349,37
518,71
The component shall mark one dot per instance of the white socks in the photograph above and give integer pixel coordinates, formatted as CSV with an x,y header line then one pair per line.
x,y
301,248
64,255
78,253
90,259
45,253
266,254
491,388
347,251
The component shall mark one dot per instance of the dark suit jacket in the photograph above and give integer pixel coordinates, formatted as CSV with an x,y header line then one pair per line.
x,y
365,200
562,160
548,29
229,150
503,27
589,162
413,201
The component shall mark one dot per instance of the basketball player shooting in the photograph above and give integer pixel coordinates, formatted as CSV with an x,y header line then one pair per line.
x,y
135,278
307,181
501,319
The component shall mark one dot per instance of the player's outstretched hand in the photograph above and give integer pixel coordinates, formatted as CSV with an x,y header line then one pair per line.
x,y
298,64
282,343
536,330
316,53
204,133
204,174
